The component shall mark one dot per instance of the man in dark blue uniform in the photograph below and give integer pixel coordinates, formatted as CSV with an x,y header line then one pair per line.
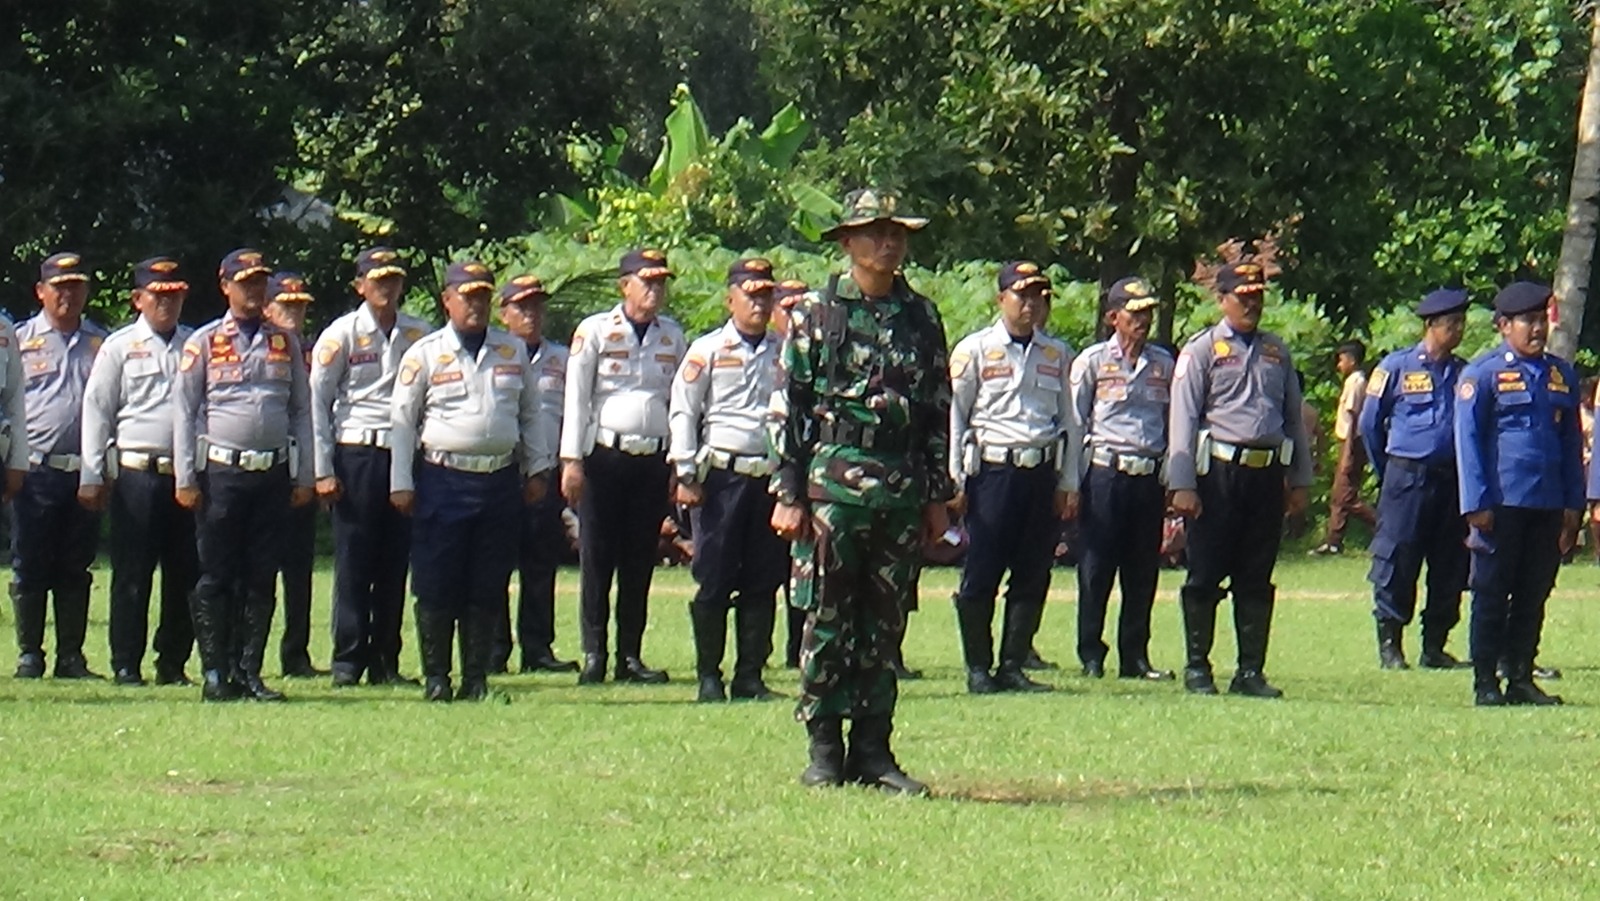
x,y
1408,426
1519,452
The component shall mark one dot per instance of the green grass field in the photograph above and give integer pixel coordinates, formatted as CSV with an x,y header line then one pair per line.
x,y
1360,784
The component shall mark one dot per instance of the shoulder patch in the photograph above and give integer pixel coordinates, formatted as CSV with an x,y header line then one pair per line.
x,y
1380,378
1468,388
327,352
408,371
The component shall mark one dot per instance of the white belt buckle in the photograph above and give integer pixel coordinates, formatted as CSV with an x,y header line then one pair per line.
x,y
1028,457
255,461
638,445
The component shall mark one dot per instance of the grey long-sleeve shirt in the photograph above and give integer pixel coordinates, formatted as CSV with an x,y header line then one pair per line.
x,y
352,377
57,369
1245,392
240,393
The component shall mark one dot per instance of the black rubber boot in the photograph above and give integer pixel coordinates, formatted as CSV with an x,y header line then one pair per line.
x,y
1252,619
1016,643
476,631
976,623
1199,632
979,682
1390,653
434,637
72,625
594,669
709,626
753,629
870,761
827,752
28,607
251,639
212,639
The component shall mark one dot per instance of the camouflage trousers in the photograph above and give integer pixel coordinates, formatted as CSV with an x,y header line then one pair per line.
x,y
852,579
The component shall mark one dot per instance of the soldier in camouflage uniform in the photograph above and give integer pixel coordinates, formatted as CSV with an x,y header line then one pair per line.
x,y
861,484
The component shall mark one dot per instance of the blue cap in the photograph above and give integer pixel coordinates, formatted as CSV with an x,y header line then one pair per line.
x,y
1442,301
1521,297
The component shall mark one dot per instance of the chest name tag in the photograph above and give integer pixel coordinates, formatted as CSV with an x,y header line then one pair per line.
x,y
1417,383
445,378
996,372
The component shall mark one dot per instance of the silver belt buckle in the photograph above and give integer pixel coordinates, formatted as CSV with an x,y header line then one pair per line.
x,y
255,461
1028,457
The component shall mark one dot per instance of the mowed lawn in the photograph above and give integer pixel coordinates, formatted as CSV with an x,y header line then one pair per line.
x,y
1360,784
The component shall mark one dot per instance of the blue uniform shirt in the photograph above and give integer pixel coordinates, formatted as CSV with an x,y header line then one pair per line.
x,y
1410,409
1519,442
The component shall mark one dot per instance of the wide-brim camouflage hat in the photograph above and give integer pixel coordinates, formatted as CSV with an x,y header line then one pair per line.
x,y
869,205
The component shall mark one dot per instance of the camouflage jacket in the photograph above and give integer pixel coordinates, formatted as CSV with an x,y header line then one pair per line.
x,y
864,408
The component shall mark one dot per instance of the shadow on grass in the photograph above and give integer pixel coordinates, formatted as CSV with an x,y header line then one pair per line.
x,y
1030,794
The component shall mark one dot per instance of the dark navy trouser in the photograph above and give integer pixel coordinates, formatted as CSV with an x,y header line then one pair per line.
x,y
1513,570
149,529
1120,518
1419,521
372,549
619,528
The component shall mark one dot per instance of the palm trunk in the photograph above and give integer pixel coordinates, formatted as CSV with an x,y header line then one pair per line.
x,y
1577,243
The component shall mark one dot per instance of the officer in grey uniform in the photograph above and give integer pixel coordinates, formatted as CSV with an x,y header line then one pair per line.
x,y
53,538
613,458
1014,453
242,423
544,536
127,464
1120,391
352,383
1237,448
468,452
288,301
721,403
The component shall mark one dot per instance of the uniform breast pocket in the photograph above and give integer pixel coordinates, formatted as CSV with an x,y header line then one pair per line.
x,y
277,372
1514,409
225,374
1417,408
507,378
616,372
552,384
1274,378
1158,392
39,365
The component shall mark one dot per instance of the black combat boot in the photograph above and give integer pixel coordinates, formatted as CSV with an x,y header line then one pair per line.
x,y
476,630
710,629
827,752
1390,653
632,669
1199,632
870,761
1016,641
28,607
980,682
1252,618
1522,690
1434,656
753,629
434,638
72,625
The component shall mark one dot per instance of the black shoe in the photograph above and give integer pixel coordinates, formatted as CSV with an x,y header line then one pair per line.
x,y
343,678
632,669
437,689
1439,659
474,689
594,669
1141,669
172,677
827,752
1252,684
30,666
500,667
1546,673
1199,681
1035,663
73,668
1525,692
1326,550
386,676
979,682
751,690
546,662
304,671
711,690
1094,669
216,688
1014,679
127,677
256,690
1488,696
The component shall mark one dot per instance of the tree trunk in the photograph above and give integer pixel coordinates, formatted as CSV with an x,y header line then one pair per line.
x,y
1577,243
